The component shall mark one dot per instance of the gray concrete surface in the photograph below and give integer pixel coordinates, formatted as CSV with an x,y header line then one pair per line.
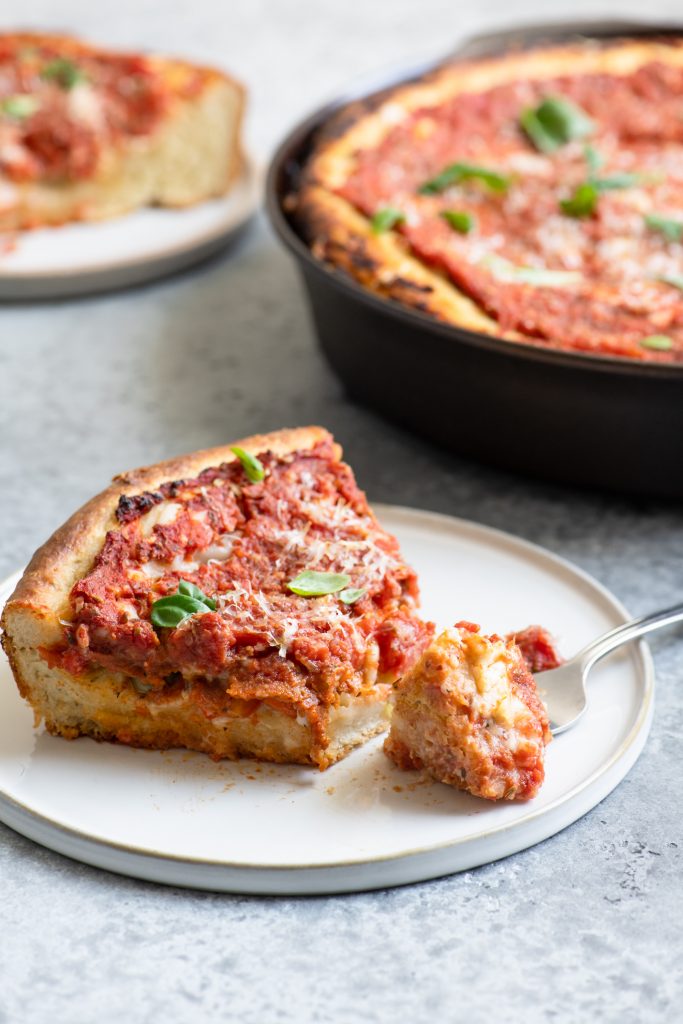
x,y
584,927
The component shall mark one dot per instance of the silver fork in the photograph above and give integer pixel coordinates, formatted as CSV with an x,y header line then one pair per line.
x,y
564,689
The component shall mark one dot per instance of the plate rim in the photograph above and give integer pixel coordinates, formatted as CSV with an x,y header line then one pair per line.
x,y
638,732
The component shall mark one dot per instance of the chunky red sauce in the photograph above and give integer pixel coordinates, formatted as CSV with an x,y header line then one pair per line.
x,y
613,296
61,104
241,543
538,648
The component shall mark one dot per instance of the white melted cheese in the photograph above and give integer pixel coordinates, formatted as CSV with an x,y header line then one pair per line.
x,y
84,104
163,514
281,618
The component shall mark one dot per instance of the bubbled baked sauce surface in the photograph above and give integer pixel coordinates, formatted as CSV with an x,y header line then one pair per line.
x,y
241,543
610,295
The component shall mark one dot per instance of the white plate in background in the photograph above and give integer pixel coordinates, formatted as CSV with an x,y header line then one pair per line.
x,y
79,258
179,818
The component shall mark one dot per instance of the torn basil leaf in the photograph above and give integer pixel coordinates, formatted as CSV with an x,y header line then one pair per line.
x,y
555,122
252,466
310,583
454,174
503,270
459,220
352,594
658,343
594,160
168,612
667,226
583,201
386,219
617,181
188,589
64,72
20,106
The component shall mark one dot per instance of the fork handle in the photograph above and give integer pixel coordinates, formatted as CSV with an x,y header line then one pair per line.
x,y
628,631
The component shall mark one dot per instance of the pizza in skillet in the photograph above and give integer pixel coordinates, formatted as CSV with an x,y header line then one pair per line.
x,y
242,601
88,133
536,196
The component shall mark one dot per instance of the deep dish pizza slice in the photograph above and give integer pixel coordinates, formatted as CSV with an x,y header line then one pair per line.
x,y
242,601
88,133
469,713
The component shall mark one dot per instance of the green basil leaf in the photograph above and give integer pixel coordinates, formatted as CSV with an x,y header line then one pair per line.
x,y
616,181
455,173
503,270
252,466
459,220
657,342
314,584
667,226
386,219
188,589
168,617
189,604
542,139
594,160
554,122
20,106
582,202
168,612
352,594
674,280
64,72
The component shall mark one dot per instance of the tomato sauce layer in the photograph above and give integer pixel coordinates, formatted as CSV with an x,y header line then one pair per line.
x,y
241,544
61,105
603,282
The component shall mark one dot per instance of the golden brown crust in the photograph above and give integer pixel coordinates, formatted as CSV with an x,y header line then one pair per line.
x,y
193,154
342,236
107,709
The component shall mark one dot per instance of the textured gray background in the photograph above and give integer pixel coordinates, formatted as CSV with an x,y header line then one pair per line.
x,y
583,928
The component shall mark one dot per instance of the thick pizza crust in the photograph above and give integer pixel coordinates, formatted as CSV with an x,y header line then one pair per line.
x,y
340,235
102,704
192,155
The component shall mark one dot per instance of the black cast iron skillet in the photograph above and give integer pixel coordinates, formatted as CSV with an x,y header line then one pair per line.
x,y
586,419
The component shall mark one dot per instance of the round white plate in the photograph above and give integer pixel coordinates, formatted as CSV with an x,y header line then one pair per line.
x,y
179,818
76,259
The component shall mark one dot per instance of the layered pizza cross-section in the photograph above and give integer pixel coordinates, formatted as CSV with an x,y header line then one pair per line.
x,y
469,714
242,601
88,133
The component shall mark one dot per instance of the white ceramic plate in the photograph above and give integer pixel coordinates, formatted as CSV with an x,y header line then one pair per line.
x,y
179,818
76,259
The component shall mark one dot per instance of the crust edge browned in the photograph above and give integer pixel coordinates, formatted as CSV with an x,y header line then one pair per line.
x,y
62,555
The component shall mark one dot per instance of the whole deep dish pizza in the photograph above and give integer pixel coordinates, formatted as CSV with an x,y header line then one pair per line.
x,y
536,196
88,133
242,601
